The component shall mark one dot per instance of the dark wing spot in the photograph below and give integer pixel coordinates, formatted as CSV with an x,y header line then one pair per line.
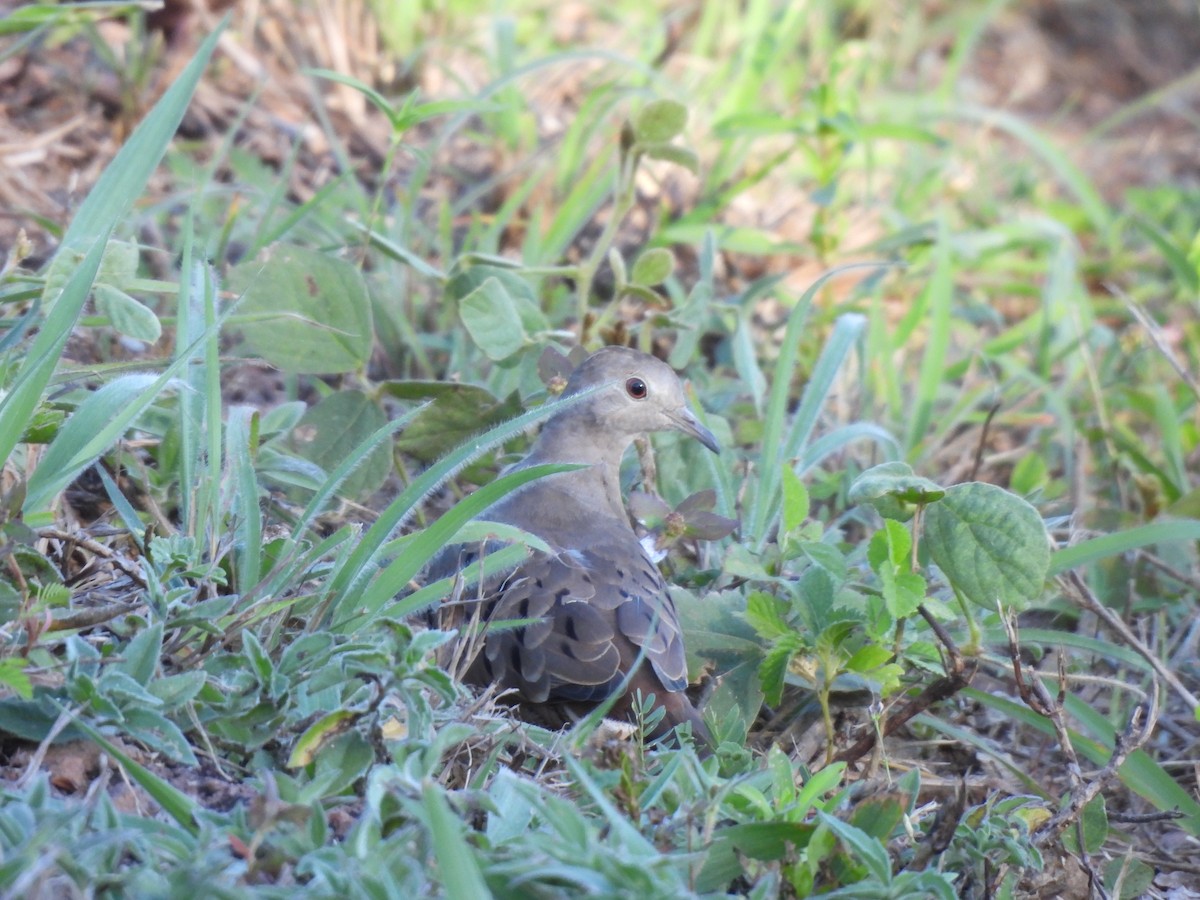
x,y
524,608
571,633
566,650
514,658
562,594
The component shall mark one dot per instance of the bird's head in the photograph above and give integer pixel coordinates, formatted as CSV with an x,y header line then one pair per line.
x,y
634,394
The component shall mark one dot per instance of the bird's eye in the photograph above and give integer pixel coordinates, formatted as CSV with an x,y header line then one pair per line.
x,y
636,388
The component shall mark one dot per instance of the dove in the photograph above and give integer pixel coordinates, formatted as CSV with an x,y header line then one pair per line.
x,y
598,618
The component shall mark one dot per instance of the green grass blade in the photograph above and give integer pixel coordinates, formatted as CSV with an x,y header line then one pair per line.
x,y
125,177
939,293
121,183
422,548
90,430
498,561
358,569
241,440
846,333
767,494
1122,542
840,438
344,470
18,405
460,872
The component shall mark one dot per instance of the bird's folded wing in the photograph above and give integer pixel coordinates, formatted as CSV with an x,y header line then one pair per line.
x,y
594,611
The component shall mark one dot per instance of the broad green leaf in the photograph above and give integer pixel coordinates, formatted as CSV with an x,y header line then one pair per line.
x,y
119,265
826,557
467,276
1134,876
342,760
14,677
718,633
339,422
491,318
863,847
457,413
991,545
653,267
773,669
158,733
765,613
888,553
1095,828
659,121
176,690
304,312
127,315
139,659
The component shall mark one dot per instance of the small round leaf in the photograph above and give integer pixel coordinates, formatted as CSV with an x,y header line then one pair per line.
x,y
894,490
653,267
659,121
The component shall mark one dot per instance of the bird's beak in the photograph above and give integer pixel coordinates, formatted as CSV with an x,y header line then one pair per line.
x,y
686,421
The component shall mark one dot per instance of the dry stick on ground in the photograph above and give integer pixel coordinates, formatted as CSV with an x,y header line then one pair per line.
x,y
1077,590
1160,341
1141,725
132,568
960,672
1037,697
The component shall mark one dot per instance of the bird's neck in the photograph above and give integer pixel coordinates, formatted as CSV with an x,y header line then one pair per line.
x,y
598,487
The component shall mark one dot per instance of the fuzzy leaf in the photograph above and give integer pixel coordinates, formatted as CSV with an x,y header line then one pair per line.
x,y
653,267
991,545
681,156
127,315
490,316
343,420
659,121
893,490
304,312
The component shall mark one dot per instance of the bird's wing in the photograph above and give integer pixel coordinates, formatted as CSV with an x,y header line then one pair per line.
x,y
585,616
